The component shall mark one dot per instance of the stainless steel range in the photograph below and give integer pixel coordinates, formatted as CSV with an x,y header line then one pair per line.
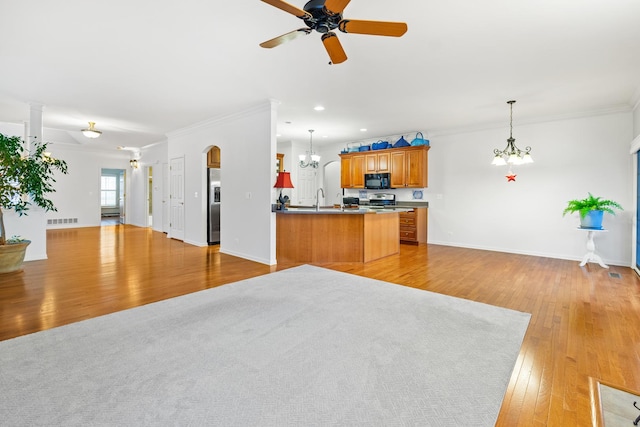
x,y
381,200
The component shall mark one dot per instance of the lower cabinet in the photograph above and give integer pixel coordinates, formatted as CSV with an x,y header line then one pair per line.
x,y
413,226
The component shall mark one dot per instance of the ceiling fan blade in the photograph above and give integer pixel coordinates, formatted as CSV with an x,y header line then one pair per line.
x,y
336,6
334,48
376,28
285,38
283,5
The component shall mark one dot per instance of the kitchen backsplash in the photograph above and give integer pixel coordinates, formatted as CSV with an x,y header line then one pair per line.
x,y
402,194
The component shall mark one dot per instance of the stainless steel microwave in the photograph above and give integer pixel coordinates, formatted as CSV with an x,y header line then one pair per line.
x,y
377,181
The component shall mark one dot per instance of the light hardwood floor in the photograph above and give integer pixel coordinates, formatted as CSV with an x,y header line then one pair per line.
x,y
584,322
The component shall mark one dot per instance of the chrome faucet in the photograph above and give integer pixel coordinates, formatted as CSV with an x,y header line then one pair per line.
x,y
320,190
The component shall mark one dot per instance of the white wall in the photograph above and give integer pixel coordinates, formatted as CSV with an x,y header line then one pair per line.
x,y
78,193
247,174
473,205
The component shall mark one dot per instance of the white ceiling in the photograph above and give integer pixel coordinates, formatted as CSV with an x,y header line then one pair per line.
x,y
143,68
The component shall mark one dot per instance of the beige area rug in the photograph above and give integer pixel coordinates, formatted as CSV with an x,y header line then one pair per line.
x,y
614,406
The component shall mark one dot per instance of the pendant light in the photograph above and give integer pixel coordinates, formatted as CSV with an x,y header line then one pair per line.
x,y
311,158
511,154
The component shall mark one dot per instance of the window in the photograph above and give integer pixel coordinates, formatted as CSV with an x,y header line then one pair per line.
x,y
108,188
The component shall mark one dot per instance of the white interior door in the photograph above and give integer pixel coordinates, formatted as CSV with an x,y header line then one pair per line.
x,y
149,196
166,220
306,187
177,199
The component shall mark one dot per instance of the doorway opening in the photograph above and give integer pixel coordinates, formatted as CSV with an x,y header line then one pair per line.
x,y
213,196
112,196
149,202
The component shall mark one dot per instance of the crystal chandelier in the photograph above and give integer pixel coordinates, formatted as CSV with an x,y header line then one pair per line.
x,y
511,154
311,158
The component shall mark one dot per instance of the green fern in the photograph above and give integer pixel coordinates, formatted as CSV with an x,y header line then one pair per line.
x,y
591,203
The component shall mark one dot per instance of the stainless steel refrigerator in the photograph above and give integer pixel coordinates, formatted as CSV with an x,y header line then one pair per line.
x,y
213,236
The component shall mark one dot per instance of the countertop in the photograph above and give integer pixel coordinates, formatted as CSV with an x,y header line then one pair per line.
x,y
349,211
402,204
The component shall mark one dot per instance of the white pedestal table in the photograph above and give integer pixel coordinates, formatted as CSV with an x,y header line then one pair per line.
x,y
591,255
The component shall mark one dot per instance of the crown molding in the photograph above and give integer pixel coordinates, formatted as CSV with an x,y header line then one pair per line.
x,y
613,109
269,105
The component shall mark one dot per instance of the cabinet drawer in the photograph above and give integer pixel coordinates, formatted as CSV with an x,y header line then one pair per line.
x,y
408,214
407,221
407,233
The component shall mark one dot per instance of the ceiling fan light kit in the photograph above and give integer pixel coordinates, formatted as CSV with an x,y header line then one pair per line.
x,y
324,16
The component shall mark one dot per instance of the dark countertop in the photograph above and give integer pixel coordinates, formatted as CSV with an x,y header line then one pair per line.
x,y
412,204
363,210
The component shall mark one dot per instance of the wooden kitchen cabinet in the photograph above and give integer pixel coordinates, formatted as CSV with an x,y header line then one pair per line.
x,y
352,171
413,226
377,162
408,167
345,172
357,171
397,179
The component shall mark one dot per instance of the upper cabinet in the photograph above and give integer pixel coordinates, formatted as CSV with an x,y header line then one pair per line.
x,y
213,157
376,162
357,170
408,166
345,172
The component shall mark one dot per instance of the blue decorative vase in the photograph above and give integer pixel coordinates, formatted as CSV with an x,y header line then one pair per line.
x,y
593,219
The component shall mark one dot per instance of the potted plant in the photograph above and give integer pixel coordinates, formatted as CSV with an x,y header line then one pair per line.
x,y
591,210
26,178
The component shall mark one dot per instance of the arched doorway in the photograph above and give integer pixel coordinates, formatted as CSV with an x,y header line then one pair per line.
x,y
213,196
333,191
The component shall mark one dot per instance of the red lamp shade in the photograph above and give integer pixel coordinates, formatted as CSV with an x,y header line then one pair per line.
x,y
283,181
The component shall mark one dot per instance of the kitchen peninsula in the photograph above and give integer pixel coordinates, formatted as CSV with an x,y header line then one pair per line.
x,y
337,235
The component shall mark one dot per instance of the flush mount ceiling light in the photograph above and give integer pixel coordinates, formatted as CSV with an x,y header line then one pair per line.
x,y
91,131
311,158
511,154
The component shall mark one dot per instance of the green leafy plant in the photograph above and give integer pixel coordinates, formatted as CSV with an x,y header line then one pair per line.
x,y
26,177
591,203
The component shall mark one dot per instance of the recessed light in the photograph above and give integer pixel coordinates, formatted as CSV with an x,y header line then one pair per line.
x,y
363,130
318,108
325,136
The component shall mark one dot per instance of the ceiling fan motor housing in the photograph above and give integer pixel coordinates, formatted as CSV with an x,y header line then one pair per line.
x,y
321,19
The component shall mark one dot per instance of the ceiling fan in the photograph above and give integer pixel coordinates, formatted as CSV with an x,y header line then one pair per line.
x,y
324,16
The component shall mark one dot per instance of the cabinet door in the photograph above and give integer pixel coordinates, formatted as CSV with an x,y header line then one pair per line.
x,y
357,171
397,179
416,168
384,163
371,163
345,172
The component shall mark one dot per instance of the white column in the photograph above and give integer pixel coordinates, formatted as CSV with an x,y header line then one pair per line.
x,y
35,123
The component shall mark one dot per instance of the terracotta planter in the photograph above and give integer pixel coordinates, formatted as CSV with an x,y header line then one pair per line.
x,y
12,256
